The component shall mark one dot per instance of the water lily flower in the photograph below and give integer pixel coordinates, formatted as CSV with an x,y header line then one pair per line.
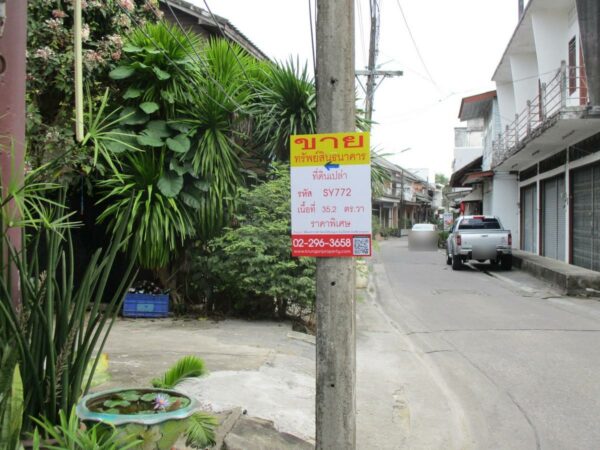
x,y
161,402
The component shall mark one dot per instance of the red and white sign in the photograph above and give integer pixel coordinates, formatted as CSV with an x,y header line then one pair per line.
x,y
331,195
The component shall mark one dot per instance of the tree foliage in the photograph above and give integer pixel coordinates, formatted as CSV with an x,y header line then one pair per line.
x,y
252,261
440,178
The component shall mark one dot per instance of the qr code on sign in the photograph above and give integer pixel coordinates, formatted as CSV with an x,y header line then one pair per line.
x,y
362,246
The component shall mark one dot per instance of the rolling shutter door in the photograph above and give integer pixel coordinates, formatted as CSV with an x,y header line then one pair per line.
x,y
529,218
554,218
586,217
596,220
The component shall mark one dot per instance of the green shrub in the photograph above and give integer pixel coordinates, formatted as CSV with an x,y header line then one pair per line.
x,y
251,263
442,237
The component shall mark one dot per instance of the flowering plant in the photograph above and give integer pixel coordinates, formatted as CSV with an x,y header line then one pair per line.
x,y
50,77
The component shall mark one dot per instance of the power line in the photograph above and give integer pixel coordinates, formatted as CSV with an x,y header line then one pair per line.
x,y
361,29
228,44
202,62
312,35
416,46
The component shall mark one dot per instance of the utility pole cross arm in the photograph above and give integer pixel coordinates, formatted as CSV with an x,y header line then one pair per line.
x,y
380,73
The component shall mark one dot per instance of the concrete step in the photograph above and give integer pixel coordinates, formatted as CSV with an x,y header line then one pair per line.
x,y
570,279
251,433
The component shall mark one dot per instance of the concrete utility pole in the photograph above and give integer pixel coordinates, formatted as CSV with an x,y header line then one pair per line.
x,y
373,52
521,8
336,338
372,73
13,46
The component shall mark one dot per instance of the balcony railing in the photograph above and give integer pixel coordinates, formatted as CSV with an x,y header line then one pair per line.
x,y
565,91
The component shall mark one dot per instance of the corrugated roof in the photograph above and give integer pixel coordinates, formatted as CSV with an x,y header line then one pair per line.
x,y
476,106
222,26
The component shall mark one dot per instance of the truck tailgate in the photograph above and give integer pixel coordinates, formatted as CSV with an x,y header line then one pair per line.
x,y
484,245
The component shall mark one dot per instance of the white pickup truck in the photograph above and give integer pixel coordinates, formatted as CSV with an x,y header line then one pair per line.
x,y
480,238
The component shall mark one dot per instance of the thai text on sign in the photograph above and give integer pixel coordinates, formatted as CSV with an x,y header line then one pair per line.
x,y
331,195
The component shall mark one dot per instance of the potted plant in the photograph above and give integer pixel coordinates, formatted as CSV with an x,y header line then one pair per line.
x,y
157,417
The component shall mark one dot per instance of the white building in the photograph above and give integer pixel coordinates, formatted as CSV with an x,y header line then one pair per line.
x,y
546,156
492,192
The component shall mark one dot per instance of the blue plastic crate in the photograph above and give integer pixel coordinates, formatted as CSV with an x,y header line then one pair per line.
x,y
146,305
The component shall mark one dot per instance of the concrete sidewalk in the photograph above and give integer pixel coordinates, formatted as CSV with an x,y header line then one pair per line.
x,y
568,278
261,380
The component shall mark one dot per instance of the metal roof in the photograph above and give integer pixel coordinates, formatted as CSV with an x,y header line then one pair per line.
x,y
456,180
221,26
476,106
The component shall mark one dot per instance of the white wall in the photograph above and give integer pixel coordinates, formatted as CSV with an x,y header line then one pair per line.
x,y
488,197
525,79
550,30
505,203
490,133
506,103
464,155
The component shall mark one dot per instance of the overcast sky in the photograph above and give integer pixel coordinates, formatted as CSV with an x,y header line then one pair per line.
x,y
460,42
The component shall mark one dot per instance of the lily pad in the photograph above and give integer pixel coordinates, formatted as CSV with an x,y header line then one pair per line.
x,y
131,396
116,403
148,397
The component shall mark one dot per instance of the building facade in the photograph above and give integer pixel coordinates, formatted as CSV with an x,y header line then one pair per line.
x,y
546,156
406,198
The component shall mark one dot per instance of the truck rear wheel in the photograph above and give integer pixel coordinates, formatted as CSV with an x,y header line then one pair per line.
x,y
506,262
456,262
448,259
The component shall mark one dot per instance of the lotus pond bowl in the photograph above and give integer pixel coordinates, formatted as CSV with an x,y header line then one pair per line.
x,y
157,417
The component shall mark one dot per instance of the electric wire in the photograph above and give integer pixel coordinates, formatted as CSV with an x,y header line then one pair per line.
x,y
312,37
199,58
361,29
228,43
416,46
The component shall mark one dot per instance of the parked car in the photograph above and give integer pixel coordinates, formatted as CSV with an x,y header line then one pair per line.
x,y
480,238
423,236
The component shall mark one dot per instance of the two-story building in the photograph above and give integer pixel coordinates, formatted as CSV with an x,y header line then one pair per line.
x,y
548,149
406,198
477,189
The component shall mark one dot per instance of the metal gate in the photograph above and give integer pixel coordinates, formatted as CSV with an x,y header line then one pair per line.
x,y
529,220
586,217
554,217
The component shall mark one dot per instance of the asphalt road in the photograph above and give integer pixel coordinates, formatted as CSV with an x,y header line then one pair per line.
x,y
515,365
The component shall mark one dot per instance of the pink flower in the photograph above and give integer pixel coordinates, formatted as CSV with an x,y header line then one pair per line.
x,y
85,32
93,57
59,14
54,24
83,3
44,53
116,40
127,4
122,20
116,55
161,402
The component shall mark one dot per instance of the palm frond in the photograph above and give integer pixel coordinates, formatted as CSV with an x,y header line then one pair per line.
x,y
201,431
187,367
